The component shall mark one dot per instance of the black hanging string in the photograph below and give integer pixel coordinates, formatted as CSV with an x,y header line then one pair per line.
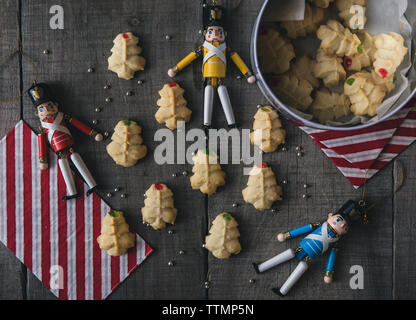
x,y
19,51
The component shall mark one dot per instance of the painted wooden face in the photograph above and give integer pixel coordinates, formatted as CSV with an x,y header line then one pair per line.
x,y
47,110
338,223
215,34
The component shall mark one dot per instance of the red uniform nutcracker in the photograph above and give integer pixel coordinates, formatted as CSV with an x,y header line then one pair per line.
x,y
54,129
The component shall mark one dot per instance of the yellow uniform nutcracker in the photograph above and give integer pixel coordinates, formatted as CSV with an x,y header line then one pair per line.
x,y
215,52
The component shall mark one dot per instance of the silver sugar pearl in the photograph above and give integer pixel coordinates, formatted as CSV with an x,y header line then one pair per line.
x,y
235,205
147,224
46,51
129,93
238,77
140,82
299,154
108,99
170,263
106,133
109,195
107,86
181,252
123,195
116,189
273,210
207,285
251,281
168,37
305,186
298,148
97,109
259,106
90,69
144,195
94,121
134,21
284,149
171,232
185,173
203,245
284,181
174,175
304,196
144,222
200,32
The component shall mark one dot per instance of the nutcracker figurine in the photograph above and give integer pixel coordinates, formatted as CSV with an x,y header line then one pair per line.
x,y
54,128
214,52
322,237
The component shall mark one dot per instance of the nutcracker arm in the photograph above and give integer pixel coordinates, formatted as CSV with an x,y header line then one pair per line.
x,y
43,150
297,232
242,67
329,273
185,62
84,128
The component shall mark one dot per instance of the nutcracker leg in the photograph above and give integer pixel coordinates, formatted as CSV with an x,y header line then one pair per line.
x,y
276,260
293,278
208,104
68,177
83,170
226,105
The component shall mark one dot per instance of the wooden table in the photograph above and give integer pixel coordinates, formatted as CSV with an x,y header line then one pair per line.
x,y
385,248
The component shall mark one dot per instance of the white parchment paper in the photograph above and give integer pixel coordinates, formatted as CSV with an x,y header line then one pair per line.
x,y
383,16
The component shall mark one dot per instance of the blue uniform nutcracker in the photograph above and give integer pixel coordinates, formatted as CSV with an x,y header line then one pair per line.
x,y
321,238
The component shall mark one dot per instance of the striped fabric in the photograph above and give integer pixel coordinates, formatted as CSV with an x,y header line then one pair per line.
x,y
360,154
56,240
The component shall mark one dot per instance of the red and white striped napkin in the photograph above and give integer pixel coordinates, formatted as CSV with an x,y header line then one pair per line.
x,y
360,154
56,240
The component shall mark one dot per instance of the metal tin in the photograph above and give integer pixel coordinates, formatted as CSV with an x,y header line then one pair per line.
x,y
286,111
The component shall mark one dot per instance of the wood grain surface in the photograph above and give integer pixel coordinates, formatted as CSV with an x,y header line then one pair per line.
x,y
384,248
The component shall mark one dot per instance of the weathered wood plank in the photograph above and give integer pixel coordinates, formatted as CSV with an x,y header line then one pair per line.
x,y
90,28
86,40
11,276
404,225
368,246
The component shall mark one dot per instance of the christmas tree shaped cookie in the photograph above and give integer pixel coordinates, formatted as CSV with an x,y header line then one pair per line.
x,y
208,175
364,94
275,52
267,133
389,83
172,106
329,106
262,189
321,3
223,236
293,91
329,68
158,206
389,54
344,8
303,69
311,22
125,59
338,40
126,147
115,236
365,56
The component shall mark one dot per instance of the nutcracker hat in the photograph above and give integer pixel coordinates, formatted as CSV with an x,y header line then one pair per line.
x,y
351,211
40,93
214,16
